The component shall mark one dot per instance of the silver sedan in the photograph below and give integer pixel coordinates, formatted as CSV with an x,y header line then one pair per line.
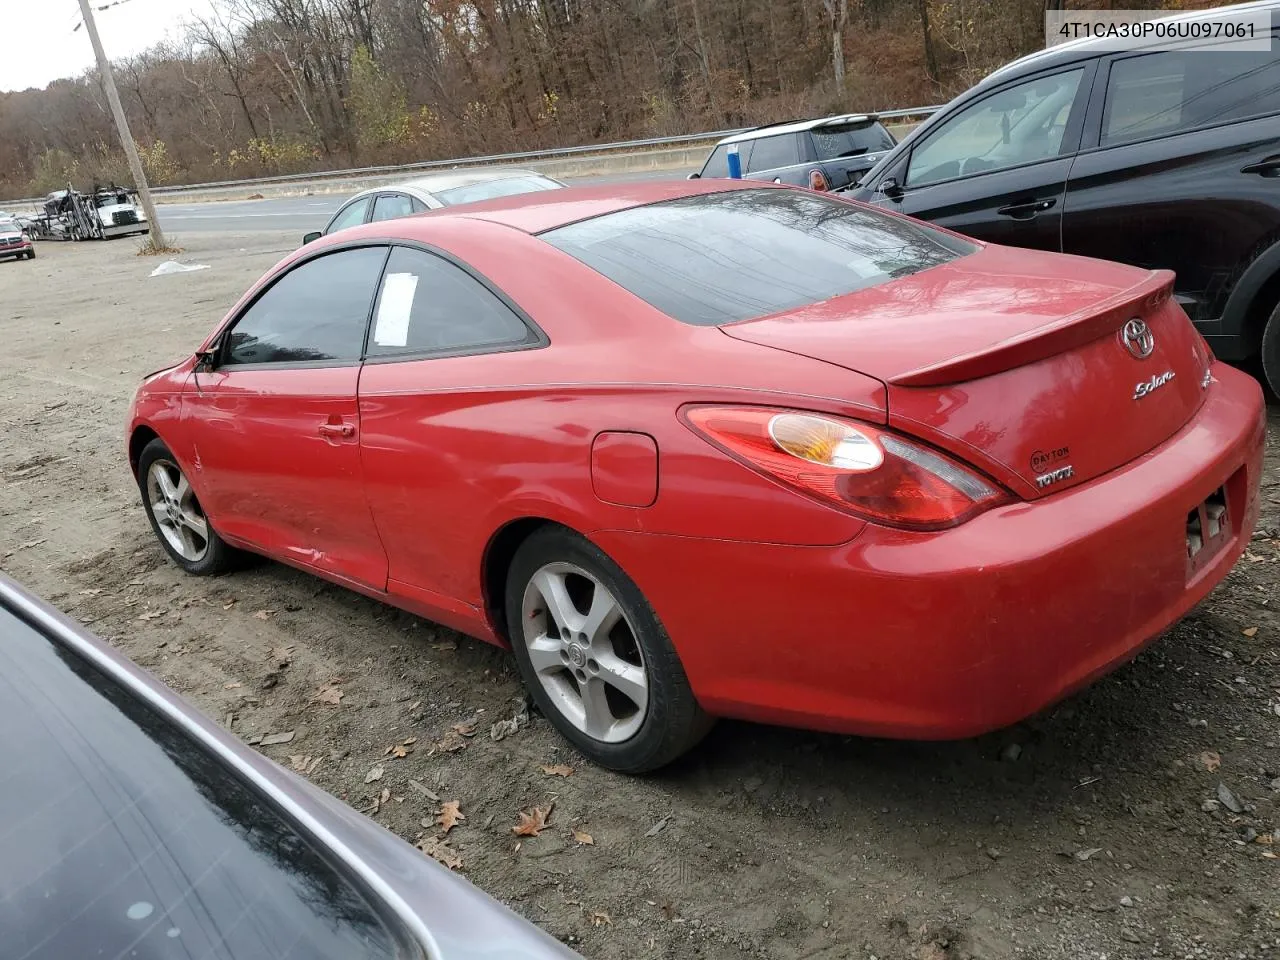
x,y
432,192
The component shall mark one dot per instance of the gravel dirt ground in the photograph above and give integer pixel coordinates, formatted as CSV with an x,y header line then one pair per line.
x,y
1134,820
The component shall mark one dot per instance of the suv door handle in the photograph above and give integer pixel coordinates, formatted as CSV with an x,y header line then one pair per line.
x,y
1026,209
335,431
1270,167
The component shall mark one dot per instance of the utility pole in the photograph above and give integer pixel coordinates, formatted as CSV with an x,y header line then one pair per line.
x,y
122,126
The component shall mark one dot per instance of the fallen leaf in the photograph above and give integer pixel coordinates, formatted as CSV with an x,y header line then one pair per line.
x,y
558,770
91,592
415,705
531,824
231,685
228,605
374,774
440,851
1087,854
263,614
330,695
384,796
283,654
450,815
271,738
583,838
1211,760
423,789
451,743
1270,856
151,615
599,918
400,752
1250,631
299,762
1264,838
409,741
467,729
313,765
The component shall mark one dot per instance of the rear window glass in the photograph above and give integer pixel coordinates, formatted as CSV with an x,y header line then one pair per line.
x,y
492,189
720,257
853,140
122,837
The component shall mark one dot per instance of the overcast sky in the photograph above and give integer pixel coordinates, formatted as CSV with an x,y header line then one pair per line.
x,y
37,44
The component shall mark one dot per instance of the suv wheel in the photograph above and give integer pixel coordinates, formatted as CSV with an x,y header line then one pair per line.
x,y
594,656
1271,351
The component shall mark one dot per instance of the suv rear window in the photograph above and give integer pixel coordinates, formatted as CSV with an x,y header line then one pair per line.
x,y
720,257
850,140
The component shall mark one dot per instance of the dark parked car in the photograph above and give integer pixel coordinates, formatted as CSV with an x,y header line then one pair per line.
x,y
135,827
824,154
1160,159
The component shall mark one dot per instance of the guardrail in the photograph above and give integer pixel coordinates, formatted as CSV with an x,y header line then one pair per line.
x,y
551,154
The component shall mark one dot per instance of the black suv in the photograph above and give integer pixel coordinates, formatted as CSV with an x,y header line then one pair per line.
x,y
1159,158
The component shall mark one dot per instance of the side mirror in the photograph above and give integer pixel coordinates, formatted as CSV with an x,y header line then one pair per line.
x,y
694,176
313,235
889,187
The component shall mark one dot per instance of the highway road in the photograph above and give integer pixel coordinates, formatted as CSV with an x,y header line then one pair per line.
x,y
297,214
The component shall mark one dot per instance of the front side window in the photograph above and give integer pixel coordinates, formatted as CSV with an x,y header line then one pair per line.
x,y
1020,124
352,215
1159,94
492,189
717,164
388,206
769,153
720,257
429,305
316,312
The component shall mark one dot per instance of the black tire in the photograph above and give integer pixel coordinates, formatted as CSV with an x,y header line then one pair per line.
x,y
218,556
31,254
1271,351
671,722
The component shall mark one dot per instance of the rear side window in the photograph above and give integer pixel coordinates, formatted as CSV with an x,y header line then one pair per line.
x,y
721,257
851,140
429,305
768,153
391,205
1159,94
316,312
351,215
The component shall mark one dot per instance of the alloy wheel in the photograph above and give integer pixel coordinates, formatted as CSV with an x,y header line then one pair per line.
x,y
584,652
176,511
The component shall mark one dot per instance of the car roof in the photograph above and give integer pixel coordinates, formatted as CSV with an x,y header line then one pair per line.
x,y
798,126
548,209
435,182
1088,46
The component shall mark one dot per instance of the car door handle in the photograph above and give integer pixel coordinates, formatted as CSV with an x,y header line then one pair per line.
x,y
1270,167
1026,209
336,431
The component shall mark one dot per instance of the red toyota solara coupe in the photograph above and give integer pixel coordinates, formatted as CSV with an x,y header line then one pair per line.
x,y
720,449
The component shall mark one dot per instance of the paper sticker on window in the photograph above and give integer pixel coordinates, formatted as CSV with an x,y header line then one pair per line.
x,y
391,329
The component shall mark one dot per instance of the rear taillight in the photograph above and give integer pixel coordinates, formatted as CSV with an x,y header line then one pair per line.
x,y
818,180
861,469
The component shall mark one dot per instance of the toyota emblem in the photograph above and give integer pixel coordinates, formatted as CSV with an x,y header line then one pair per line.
x,y
1138,338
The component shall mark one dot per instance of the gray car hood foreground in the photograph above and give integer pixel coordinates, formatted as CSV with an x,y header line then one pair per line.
x,y
449,918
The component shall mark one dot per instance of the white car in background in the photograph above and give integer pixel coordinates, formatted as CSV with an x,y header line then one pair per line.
x,y
431,193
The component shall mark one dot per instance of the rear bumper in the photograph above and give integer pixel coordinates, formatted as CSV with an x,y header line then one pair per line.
x,y
954,633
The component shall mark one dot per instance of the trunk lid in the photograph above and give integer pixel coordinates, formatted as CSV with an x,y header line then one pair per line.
x,y
1016,361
